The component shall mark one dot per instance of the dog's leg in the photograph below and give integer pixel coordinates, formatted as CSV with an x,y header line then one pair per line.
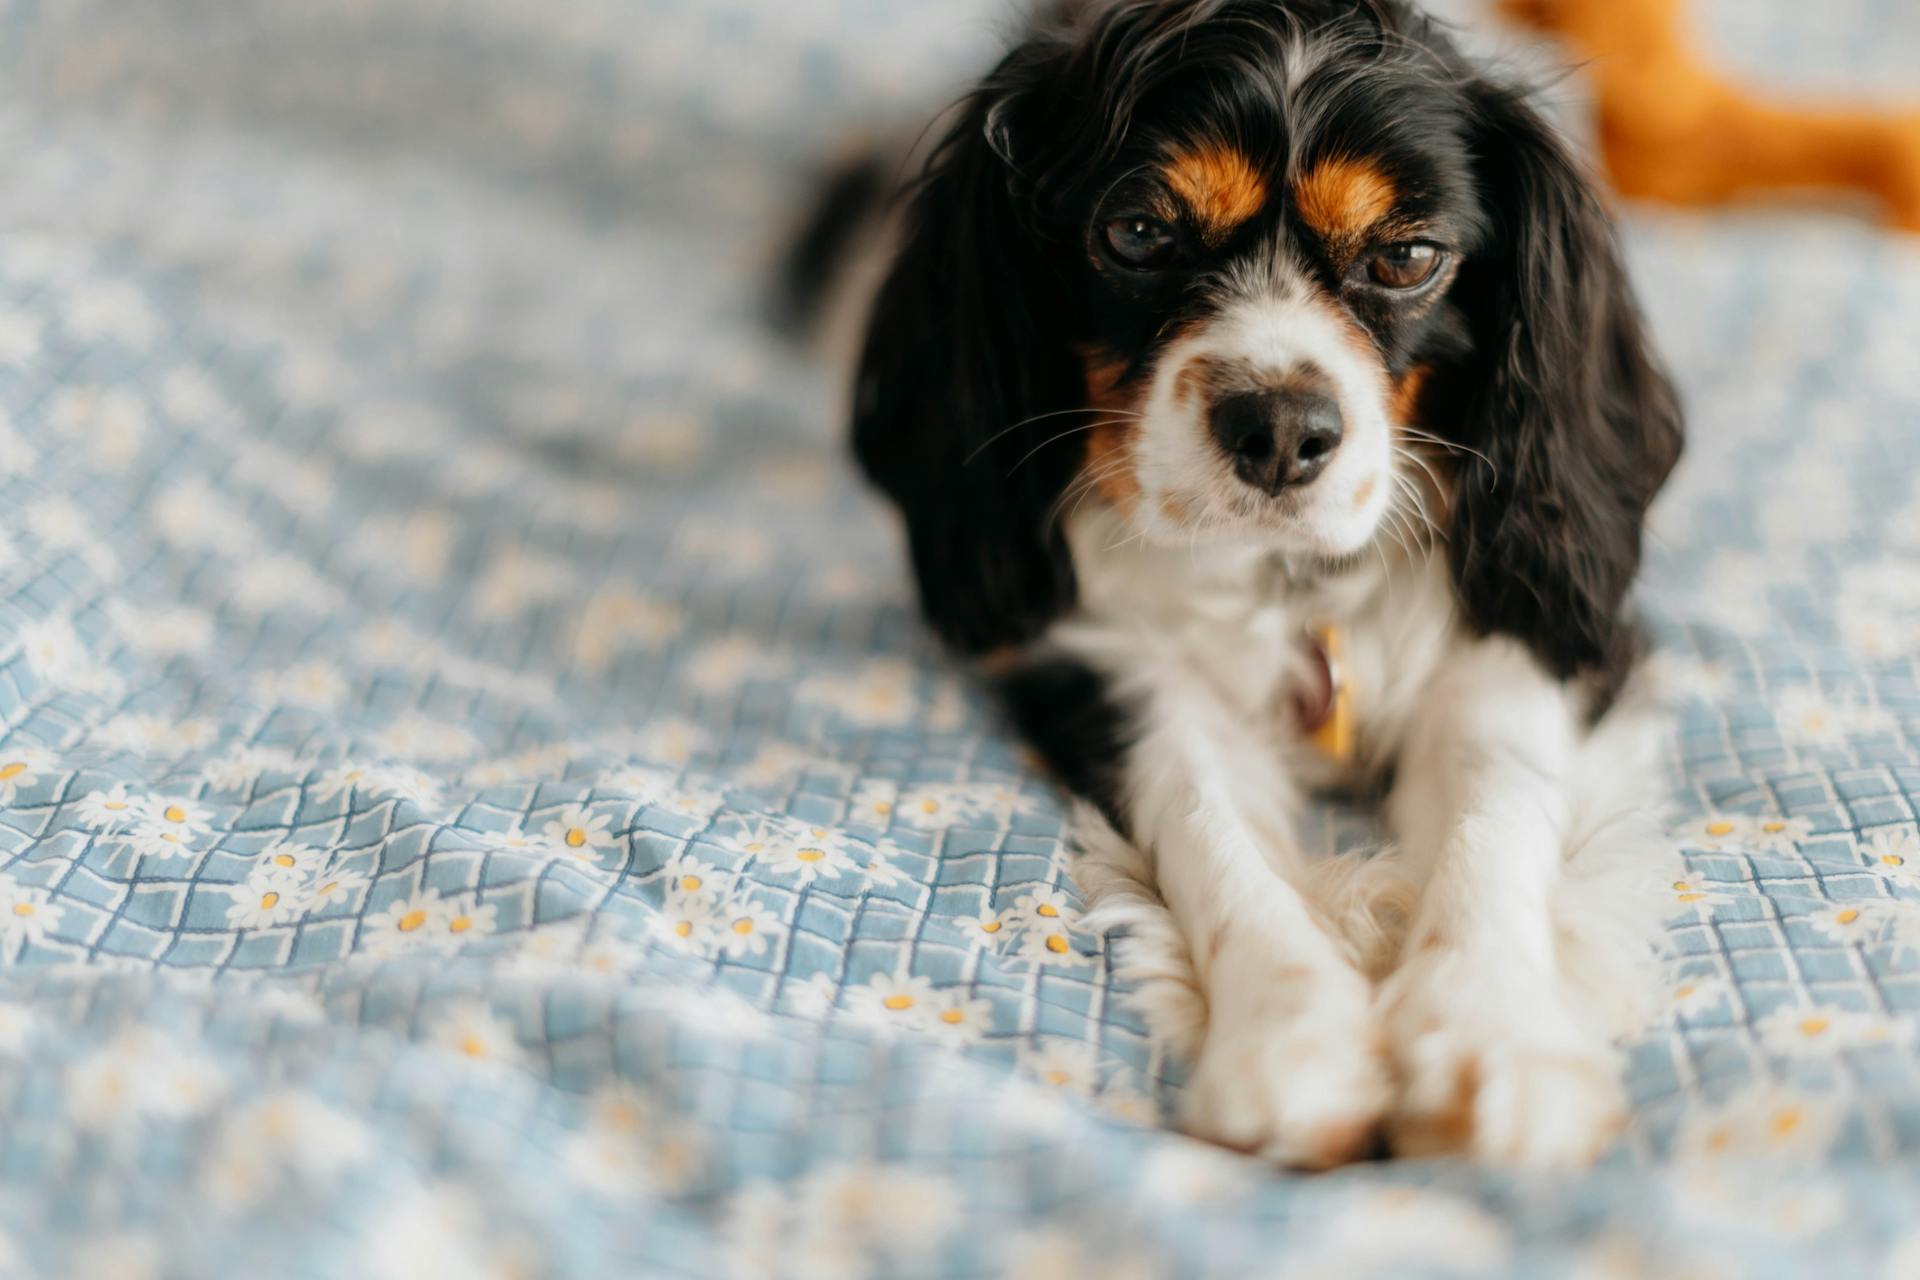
x,y
1290,1065
1493,1054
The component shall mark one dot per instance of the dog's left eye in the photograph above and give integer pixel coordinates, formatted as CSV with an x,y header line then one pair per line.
x,y
1404,266
1140,243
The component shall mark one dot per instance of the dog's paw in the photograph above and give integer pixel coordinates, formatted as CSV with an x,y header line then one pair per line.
x,y
1485,1072
1305,1088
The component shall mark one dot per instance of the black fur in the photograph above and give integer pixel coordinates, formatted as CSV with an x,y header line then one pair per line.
x,y
1070,715
973,371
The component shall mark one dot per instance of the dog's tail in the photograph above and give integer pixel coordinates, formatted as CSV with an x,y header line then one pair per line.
x,y
847,212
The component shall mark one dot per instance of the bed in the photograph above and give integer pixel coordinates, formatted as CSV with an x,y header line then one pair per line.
x,y
475,799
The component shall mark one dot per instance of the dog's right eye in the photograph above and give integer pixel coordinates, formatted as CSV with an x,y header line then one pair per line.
x,y
1140,244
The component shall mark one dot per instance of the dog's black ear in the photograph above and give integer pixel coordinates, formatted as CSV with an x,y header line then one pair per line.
x,y
1577,420
966,349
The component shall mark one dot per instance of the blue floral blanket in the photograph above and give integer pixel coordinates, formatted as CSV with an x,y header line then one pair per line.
x,y
475,799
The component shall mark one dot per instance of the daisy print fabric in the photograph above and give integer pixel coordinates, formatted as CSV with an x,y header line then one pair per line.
x,y
475,798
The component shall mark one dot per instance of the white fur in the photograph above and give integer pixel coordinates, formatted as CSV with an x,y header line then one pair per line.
x,y
1509,927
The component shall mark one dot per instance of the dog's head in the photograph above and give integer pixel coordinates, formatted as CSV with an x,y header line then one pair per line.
x,y
1287,272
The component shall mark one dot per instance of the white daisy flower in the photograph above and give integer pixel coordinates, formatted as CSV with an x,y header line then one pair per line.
x,y
797,849
988,929
141,1073
536,764
108,424
722,665
515,839
167,827
776,763
155,735
669,740
475,1032
690,921
417,737
1693,996
265,901
316,685
577,832
1766,1122
241,768
343,779
619,619
1824,1030
1810,718
1048,943
1850,922
461,920
747,929
880,696
684,873
893,1001
107,810
882,867
402,782
27,915
332,886
873,803
886,1210
610,957
1047,909
956,1020
406,924
1063,1064
288,858
1696,892
1893,852
285,1137
21,768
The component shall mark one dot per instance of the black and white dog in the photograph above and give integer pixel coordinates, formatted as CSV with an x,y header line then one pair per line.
x,y
1269,410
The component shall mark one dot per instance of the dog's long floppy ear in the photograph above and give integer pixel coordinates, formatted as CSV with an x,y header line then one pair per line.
x,y
966,349
1577,420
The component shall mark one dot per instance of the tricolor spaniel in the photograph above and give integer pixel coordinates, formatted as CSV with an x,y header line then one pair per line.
x,y
1268,408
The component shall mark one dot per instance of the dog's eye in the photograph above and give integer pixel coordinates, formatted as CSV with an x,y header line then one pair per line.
x,y
1140,243
1405,266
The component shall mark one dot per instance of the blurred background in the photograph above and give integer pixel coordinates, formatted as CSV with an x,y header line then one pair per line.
x,y
475,798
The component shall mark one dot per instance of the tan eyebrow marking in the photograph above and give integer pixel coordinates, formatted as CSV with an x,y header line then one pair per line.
x,y
1342,198
1219,186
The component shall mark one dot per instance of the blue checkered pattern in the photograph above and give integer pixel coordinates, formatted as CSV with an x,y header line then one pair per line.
x,y
475,799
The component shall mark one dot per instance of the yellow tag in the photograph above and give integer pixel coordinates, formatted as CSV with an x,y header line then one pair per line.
x,y
1335,738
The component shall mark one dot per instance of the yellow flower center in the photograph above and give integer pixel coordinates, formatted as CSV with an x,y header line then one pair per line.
x,y
11,770
1056,944
171,837
1787,1122
284,860
929,806
460,924
1681,993
1681,886
1057,1077
575,837
1892,860
1047,909
1815,1026
327,889
990,926
1692,897
114,806
691,884
898,1003
1720,828
23,909
1848,916
683,929
175,813
883,808
743,927
1774,828
412,920
809,855
953,1017
473,1046
756,847
269,900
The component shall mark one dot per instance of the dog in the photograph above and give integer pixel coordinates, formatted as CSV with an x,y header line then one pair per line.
x,y
1270,414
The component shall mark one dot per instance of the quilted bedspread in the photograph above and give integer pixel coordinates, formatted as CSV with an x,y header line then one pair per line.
x,y
475,799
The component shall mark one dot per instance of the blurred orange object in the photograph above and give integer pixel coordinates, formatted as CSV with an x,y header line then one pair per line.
x,y
1672,129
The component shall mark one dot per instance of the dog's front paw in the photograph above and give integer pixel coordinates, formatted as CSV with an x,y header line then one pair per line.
x,y
1491,1068
1305,1086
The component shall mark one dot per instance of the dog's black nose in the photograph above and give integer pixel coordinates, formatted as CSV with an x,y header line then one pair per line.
x,y
1278,439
